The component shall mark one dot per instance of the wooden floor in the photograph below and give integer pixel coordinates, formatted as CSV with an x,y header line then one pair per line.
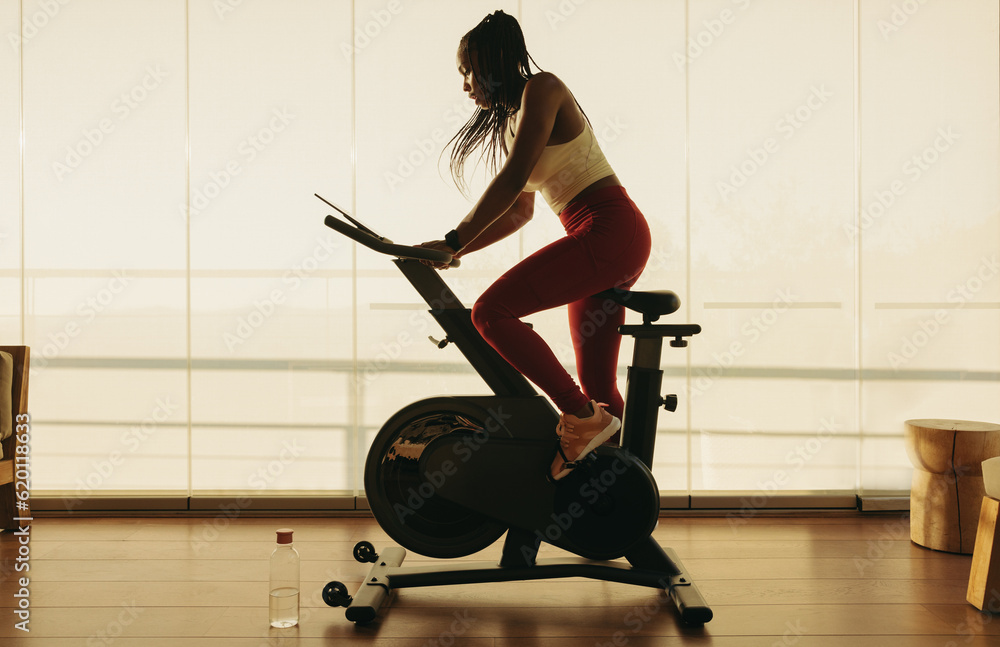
x,y
803,580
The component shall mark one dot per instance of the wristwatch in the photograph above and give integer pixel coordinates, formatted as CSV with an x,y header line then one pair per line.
x,y
451,240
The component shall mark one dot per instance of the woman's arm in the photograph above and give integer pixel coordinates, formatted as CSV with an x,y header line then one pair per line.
x,y
513,219
543,96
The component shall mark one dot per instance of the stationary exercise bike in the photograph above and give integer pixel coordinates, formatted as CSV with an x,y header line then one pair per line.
x,y
448,476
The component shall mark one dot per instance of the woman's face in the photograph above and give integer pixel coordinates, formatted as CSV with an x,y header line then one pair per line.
x,y
470,84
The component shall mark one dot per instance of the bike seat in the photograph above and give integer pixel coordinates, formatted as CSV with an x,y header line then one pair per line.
x,y
652,304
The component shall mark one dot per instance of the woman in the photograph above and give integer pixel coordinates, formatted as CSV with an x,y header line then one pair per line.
x,y
532,121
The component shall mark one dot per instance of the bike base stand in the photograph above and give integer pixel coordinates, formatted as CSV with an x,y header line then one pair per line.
x,y
661,570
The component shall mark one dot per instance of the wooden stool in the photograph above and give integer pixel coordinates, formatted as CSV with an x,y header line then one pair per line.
x,y
947,489
984,579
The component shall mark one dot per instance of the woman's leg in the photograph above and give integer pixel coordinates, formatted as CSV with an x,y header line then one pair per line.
x,y
593,323
607,245
555,275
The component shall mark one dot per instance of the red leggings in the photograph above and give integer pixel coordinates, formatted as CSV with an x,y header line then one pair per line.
x,y
607,245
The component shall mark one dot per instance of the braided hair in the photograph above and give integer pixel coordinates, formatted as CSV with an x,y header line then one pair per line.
x,y
502,69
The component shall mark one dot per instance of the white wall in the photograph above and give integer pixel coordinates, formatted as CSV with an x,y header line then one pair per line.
x,y
821,179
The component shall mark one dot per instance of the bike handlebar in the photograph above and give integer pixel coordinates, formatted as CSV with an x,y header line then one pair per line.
x,y
387,247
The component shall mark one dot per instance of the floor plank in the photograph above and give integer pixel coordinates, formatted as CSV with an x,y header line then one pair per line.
x,y
771,580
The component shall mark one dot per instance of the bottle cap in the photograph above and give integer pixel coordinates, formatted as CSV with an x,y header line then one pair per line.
x,y
284,535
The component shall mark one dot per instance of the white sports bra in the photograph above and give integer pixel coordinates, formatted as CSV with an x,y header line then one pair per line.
x,y
564,170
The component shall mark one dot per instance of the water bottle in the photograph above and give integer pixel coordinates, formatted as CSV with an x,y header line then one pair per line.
x,y
284,608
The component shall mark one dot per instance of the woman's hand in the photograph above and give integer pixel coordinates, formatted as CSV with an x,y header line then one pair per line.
x,y
440,246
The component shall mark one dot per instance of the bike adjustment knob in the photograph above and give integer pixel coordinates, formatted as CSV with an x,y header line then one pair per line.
x,y
669,402
440,344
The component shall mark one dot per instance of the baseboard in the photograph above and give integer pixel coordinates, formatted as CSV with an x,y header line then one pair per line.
x,y
888,502
204,504
199,505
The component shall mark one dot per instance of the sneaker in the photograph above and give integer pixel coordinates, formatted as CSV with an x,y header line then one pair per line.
x,y
580,436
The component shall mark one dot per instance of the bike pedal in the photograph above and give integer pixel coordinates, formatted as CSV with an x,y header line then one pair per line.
x,y
588,462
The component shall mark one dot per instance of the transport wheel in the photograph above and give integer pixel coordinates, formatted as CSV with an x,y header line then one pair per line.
x,y
364,552
403,498
335,595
